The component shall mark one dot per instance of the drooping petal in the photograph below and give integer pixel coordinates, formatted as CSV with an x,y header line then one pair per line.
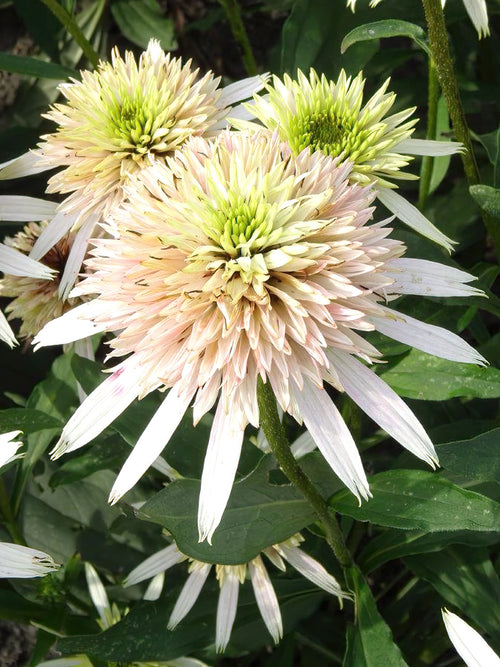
x,y
242,90
311,569
15,263
72,326
75,258
59,226
303,445
155,587
189,594
266,598
383,405
426,337
98,593
22,562
23,165
429,147
16,208
226,608
471,647
425,278
219,469
99,409
332,436
6,333
478,13
8,447
411,216
158,562
152,441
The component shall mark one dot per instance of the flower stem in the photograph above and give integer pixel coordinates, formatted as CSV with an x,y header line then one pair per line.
x,y
72,27
276,437
8,516
427,160
233,13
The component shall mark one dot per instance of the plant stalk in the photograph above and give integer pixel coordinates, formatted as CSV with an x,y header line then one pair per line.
x,y
233,13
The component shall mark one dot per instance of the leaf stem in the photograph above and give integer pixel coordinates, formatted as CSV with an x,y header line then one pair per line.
x,y
427,160
233,13
72,27
276,437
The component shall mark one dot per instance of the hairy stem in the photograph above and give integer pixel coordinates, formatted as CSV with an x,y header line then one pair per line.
x,y
233,13
276,437
72,27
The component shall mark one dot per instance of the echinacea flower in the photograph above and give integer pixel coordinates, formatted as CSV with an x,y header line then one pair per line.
x,y
316,113
476,9
240,261
9,447
115,121
230,577
21,562
469,644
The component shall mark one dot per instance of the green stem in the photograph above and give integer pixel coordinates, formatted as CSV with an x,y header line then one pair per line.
x,y
8,516
276,437
440,49
432,108
233,13
72,27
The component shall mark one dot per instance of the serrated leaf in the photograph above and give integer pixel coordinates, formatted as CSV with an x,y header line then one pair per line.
x,y
428,378
140,20
488,198
40,69
419,500
476,458
382,29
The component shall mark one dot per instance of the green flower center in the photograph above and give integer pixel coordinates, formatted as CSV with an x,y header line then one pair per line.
x,y
242,226
323,131
132,122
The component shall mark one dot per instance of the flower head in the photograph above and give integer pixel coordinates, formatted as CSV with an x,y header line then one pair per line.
x,y
21,562
237,262
230,577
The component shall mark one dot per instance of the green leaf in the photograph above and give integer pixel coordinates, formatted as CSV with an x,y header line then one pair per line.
x,y
41,24
423,376
140,20
26,420
40,69
258,515
370,642
476,458
387,28
488,198
419,500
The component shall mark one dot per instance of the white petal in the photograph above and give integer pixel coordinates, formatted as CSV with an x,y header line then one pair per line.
x,y
6,333
8,448
469,644
226,608
332,436
97,593
73,325
383,405
242,90
25,209
311,569
22,562
425,278
60,225
411,216
426,337
266,598
23,165
16,263
155,587
152,442
478,13
303,445
158,562
189,594
219,469
429,147
75,258
99,409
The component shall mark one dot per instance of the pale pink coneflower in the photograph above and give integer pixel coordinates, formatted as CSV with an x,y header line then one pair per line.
x,y
241,261
115,121
330,116
230,577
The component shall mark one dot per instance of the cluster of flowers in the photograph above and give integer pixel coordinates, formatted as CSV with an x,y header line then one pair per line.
x,y
227,243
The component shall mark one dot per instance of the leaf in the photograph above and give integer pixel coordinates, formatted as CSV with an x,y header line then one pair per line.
x,y
419,500
423,376
26,420
258,515
140,20
488,198
387,28
369,643
476,458
41,24
40,69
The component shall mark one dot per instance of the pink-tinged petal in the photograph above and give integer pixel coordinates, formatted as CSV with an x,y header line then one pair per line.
x,y
152,441
58,227
99,409
421,277
24,165
383,405
426,337
266,598
328,430
226,608
311,569
219,469
15,263
471,647
158,562
6,333
411,216
25,209
189,594
75,324
75,258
